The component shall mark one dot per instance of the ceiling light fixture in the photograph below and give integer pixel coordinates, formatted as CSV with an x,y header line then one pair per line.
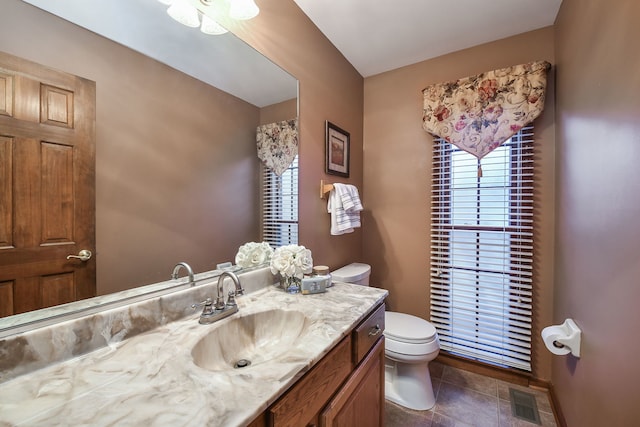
x,y
183,12
187,14
243,9
210,26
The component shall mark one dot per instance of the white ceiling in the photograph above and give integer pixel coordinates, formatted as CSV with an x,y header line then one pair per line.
x,y
381,35
374,35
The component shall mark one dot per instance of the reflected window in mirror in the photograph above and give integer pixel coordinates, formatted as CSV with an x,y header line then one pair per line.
x,y
280,206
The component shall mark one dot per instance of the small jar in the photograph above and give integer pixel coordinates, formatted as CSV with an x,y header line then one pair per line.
x,y
320,270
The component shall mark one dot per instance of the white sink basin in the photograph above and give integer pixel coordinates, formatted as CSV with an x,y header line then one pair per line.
x,y
249,341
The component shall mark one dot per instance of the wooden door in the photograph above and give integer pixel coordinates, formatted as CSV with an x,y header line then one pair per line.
x,y
360,402
47,186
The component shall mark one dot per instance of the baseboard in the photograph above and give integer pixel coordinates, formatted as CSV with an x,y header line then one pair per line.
x,y
555,405
506,374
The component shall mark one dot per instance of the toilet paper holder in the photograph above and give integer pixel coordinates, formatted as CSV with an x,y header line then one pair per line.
x,y
563,339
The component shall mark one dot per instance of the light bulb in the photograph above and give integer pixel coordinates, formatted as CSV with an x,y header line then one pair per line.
x,y
183,12
209,26
243,9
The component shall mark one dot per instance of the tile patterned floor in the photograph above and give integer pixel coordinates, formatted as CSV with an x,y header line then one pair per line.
x,y
465,399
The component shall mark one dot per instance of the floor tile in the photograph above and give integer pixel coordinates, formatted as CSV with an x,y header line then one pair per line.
x,y
396,416
440,420
473,381
466,405
465,399
435,369
435,383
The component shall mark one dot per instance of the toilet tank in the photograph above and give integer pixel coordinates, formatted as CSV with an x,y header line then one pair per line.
x,y
356,272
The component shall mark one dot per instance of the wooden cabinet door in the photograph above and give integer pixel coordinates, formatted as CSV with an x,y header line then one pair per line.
x,y
47,186
360,402
300,405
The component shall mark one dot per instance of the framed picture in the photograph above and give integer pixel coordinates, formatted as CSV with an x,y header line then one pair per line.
x,y
337,150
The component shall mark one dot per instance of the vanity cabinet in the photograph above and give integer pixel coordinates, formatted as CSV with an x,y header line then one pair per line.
x,y
340,381
345,388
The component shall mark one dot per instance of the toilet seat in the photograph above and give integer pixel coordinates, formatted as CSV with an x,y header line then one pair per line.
x,y
408,329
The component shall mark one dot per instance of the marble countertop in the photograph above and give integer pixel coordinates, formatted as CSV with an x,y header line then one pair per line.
x,y
151,378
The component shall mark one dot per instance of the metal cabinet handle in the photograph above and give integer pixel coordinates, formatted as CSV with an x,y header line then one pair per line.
x,y
83,255
376,330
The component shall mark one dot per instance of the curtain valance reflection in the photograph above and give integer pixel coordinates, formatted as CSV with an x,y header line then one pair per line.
x,y
278,144
477,114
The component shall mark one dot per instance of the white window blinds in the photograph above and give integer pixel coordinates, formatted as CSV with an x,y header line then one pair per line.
x,y
280,206
482,251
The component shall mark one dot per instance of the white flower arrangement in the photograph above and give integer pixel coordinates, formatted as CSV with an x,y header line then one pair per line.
x,y
291,261
253,254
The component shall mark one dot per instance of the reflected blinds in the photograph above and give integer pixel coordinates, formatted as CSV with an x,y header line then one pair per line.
x,y
482,251
280,206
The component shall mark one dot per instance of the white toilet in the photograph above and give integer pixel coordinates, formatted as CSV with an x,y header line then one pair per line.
x,y
410,344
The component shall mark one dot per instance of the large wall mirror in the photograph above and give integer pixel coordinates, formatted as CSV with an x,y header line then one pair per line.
x,y
177,176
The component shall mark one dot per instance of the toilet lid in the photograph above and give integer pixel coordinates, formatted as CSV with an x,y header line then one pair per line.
x,y
407,328
351,273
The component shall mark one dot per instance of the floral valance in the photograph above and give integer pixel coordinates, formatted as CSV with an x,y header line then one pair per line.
x,y
477,114
278,144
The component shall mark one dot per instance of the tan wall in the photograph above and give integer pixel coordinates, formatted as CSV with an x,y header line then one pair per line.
x,y
598,240
285,110
397,155
330,89
176,181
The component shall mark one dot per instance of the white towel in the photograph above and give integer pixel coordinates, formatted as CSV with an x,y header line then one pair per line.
x,y
344,205
350,197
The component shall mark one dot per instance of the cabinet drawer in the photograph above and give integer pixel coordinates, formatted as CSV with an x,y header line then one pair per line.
x,y
367,333
305,399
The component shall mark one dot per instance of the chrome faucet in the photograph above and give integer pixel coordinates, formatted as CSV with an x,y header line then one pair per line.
x,y
214,311
187,267
231,301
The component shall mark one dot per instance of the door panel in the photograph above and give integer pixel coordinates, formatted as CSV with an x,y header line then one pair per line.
x,y
56,172
6,298
6,94
57,289
56,106
47,167
6,192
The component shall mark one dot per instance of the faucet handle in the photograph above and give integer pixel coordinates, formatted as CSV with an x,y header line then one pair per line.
x,y
231,300
207,304
201,304
239,291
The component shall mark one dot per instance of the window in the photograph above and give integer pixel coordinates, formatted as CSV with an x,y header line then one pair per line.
x,y
280,206
482,251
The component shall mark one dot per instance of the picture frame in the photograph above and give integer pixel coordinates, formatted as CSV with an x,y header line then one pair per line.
x,y
337,148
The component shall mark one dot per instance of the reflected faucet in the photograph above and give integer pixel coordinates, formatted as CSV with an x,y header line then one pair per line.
x,y
187,267
232,294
